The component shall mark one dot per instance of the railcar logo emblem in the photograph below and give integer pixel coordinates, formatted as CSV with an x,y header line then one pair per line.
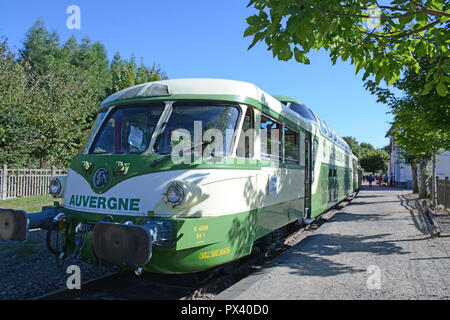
x,y
101,178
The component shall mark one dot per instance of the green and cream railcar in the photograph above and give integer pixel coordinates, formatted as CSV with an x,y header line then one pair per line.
x,y
335,171
131,200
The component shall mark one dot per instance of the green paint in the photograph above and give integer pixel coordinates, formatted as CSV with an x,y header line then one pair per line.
x,y
330,190
140,164
202,242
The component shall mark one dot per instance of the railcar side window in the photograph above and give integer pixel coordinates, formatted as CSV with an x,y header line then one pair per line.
x,y
291,146
330,134
302,110
323,127
270,139
246,140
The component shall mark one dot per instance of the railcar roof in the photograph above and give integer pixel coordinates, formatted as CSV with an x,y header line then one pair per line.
x,y
286,99
200,86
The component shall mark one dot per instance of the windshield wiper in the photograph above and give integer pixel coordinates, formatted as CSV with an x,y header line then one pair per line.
x,y
167,156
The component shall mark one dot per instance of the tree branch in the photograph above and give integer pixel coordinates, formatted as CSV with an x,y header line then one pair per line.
x,y
425,10
400,35
431,11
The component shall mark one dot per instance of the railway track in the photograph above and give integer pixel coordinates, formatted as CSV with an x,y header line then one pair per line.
x,y
197,286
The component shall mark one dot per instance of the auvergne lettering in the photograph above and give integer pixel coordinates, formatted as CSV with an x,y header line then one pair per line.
x,y
112,203
93,202
123,204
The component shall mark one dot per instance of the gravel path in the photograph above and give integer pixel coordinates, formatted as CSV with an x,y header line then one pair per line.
x,y
28,270
378,233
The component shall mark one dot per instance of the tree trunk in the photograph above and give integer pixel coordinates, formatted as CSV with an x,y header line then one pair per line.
x,y
414,176
433,182
423,178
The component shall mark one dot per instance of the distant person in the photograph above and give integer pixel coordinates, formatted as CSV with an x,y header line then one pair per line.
x,y
391,180
386,180
370,179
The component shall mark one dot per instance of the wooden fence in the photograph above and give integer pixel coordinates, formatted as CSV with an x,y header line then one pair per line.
x,y
443,192
17,183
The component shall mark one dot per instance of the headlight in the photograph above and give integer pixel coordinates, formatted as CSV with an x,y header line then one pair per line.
x,y
174,195
56,187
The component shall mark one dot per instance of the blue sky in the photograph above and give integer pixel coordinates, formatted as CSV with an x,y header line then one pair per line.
x,y
204,38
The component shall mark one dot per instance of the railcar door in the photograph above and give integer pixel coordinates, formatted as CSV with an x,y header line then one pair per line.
x,y
308,175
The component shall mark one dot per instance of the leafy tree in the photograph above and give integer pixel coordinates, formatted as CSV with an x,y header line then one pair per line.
x,y
374,161
49,95
407,31
16,98
365,148
66,110
421,121
92,58
126,73
40,47
353,144
358,149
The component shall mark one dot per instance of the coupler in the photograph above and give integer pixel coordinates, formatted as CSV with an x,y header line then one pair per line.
x,y
15,224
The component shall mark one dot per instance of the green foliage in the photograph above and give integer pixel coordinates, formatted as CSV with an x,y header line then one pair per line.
x,y
387,148
40,47
126,73
353,144
421,123
370,159
358,150
365,148
406,32
374,161
49,95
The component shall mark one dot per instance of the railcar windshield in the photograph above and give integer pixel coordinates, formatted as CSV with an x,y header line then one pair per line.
x,y
127,129
194,120
87,142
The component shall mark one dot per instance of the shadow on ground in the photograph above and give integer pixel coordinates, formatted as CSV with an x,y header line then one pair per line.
x,y
310,257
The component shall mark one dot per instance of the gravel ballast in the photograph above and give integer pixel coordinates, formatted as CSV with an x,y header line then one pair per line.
x,y
28,269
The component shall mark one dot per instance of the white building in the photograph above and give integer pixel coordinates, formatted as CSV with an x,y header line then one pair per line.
x,y
398,169
402,174
443,165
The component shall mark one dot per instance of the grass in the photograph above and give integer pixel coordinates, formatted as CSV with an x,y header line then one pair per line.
x,y
29,204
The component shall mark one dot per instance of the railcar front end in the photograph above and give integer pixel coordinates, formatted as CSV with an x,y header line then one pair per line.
x,y
172,181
